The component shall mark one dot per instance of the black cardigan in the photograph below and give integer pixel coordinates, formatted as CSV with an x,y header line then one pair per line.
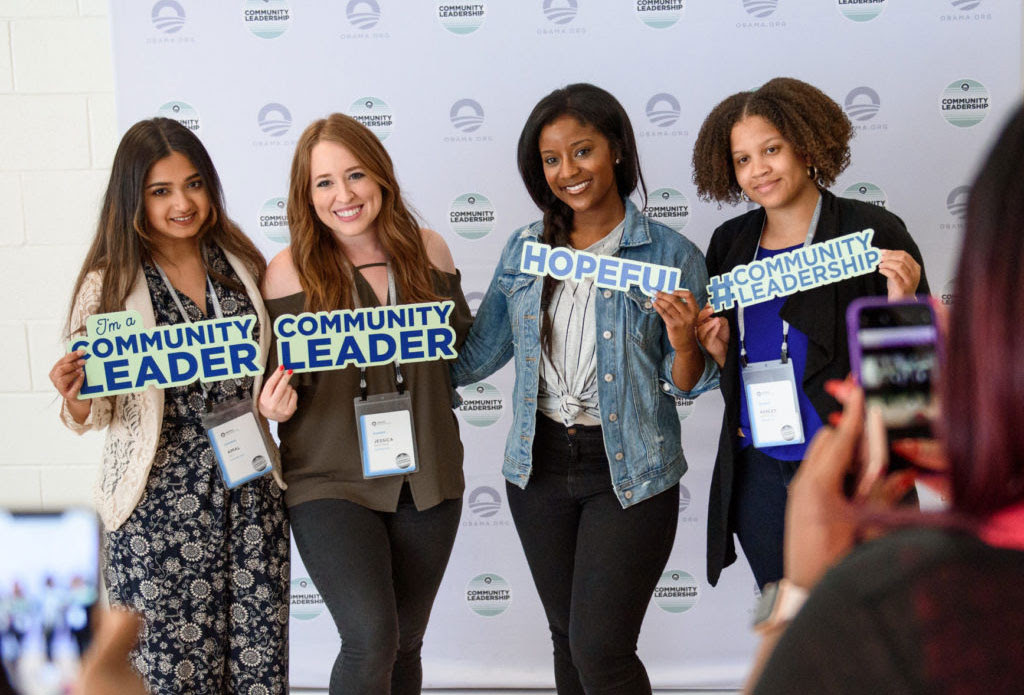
x,y
820,313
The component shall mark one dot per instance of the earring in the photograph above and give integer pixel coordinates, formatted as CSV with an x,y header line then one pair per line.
x,y
812,173
617,160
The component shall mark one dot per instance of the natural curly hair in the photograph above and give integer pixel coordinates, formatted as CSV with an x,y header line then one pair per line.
x,y
804,115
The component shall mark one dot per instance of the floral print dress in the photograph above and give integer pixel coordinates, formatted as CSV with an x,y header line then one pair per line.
x,y
206,566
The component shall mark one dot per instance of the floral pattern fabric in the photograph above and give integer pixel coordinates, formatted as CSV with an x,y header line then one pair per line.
x,y
208,567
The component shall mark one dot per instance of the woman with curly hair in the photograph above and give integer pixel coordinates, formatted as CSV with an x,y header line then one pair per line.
x,y
376,546
781,146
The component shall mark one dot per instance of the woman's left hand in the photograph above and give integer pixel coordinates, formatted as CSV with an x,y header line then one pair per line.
x,y
679,310
821,522
902,272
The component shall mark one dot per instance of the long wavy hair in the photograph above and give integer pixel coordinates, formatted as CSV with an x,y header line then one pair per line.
x,y
325,272
983,380
122,241
593,106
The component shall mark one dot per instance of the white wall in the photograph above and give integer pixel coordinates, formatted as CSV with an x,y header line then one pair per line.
x,y
56,143
57,139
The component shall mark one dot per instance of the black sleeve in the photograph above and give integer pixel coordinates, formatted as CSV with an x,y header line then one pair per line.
x,y
834,645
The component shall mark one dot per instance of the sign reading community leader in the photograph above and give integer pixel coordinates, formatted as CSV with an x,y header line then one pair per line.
x,y
801,269
365,337
608,272
125,358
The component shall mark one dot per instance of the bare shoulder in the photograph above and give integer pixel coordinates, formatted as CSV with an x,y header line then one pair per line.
x,y
437,251
281,278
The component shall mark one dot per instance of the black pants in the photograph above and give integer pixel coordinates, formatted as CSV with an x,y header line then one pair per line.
x,y
759,510
378,573
594,563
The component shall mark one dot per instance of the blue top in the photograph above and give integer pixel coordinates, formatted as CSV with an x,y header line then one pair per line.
x,y
764,342
636,395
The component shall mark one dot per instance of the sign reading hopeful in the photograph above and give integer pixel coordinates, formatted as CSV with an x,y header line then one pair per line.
x,y
365,337
125,358
801,269
609,272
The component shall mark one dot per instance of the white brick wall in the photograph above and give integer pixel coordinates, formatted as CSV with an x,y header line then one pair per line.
x,y
56,146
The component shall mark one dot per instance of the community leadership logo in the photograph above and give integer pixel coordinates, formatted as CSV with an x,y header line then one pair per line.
x,y
482,404
964,103
168,16
467,115
956,201
861,10
862,104
375,114
307,603
488,595
866,192
182,113
668,206
274,119
363,14
471,216
660,14
560,11
485,502
676,592
461,17
760,8
663,110
273,220
267,19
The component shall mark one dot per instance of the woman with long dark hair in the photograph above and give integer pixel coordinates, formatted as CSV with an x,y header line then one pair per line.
x,y
207,566
781,146
593,459
376,547
932,607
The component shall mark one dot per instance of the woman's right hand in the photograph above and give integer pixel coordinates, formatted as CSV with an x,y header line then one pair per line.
x,y
713,334
278,399
67,376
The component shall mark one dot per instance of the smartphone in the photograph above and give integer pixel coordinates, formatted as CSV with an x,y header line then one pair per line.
x,y
895,352
49,583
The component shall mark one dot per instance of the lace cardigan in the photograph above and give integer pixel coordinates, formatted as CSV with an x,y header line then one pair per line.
x,y
133,420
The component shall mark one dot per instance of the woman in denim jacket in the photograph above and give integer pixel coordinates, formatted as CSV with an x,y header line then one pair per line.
x,y
593,459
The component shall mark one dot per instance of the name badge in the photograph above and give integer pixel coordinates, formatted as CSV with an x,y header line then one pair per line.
x,y
772,403
387,440
237,440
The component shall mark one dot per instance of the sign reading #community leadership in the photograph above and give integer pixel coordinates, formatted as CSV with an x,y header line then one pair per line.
x,y
311,342
125,358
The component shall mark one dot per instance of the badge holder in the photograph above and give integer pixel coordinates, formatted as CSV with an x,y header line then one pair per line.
x,y
772,403
238,442
384,422
387,438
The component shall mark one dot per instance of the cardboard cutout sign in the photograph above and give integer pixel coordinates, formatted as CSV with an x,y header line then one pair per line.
x,y
367,337
125,358
609,272
791,272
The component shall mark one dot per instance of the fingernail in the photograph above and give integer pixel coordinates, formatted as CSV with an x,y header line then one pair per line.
x,y
289,372
834,419
281,368
832,386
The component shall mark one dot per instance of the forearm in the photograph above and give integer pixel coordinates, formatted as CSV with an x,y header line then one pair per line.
x,y
688,367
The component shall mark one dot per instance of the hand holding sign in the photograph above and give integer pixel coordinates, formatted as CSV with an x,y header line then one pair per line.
x,y
279,399
713,334
67,376
903,273
679,311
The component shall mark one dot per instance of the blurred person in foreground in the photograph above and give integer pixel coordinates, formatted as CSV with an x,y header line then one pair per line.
x,y
935,605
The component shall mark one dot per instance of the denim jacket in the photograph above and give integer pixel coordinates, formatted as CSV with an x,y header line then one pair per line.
x,y
636,393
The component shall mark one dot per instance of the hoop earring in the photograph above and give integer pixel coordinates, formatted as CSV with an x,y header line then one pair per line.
x,y
812,173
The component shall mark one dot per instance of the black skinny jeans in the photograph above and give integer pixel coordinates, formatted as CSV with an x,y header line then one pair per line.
x,y
378,573
595,564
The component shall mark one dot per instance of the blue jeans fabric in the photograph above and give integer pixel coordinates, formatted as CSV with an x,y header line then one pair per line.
x,y
595,564
378,573
759,511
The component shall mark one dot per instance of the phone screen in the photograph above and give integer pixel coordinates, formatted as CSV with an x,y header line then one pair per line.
x,y
48,586
898,346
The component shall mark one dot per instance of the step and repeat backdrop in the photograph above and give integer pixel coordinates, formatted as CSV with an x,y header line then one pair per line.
x,y
447,87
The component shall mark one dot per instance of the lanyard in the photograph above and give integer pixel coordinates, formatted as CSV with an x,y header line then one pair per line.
x,y
785,324
392,301
184,314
